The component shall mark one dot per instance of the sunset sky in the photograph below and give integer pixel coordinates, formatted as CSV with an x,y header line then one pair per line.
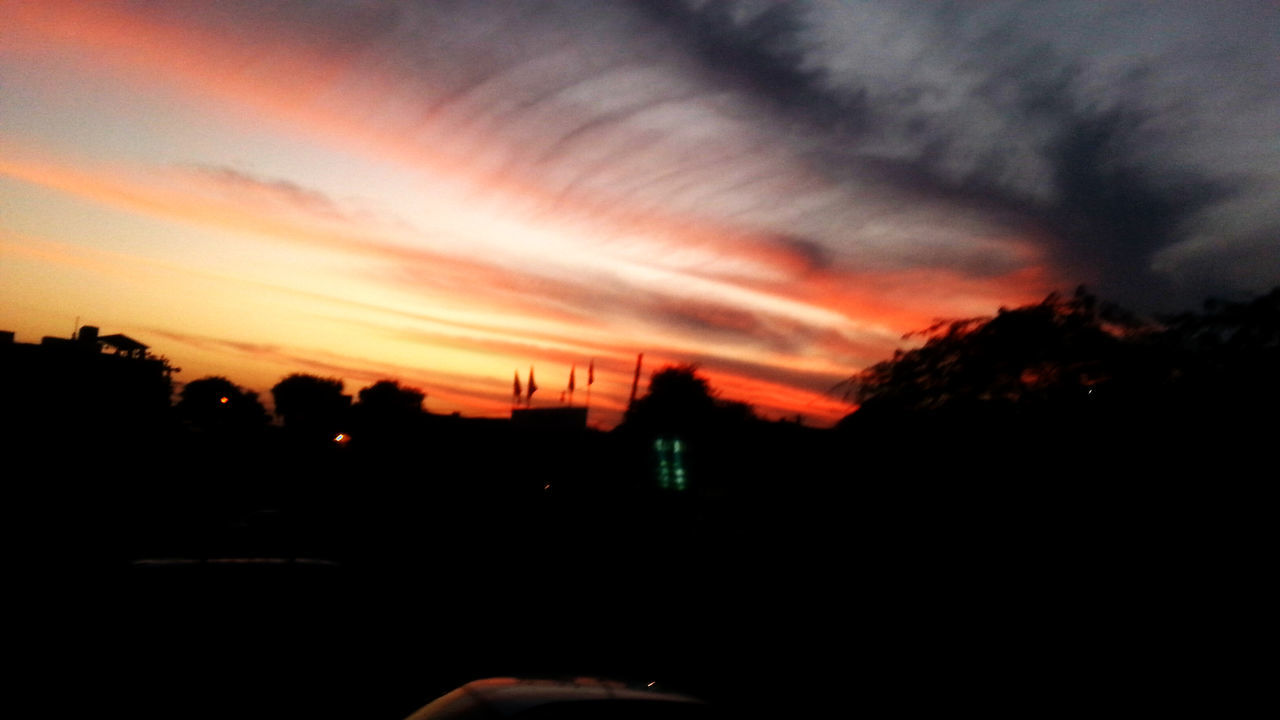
x,y
447,193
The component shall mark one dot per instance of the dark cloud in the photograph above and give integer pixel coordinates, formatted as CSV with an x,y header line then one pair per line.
x,y
702,318
813,254
1112,216
819,383
1114,133
762,51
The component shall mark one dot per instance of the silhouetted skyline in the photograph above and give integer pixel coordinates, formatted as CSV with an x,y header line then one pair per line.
x,y
1035,498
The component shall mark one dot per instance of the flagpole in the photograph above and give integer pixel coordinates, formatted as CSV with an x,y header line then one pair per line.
x,y
530,389
635,384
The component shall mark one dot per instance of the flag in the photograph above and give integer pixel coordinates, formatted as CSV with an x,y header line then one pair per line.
x,y
533,386
591,372
572,370
515,387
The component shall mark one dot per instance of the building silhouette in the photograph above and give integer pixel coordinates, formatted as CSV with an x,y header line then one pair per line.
x,y
84,387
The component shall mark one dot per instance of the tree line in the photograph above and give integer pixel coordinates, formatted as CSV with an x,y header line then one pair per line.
x,y
305,403
1066,360
1074,382
1077,351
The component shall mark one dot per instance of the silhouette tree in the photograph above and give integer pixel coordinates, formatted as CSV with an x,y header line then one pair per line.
x,y
387,412
1053,356
215,404
694,438
1222,362
679,400
310,404
1061,384
388,397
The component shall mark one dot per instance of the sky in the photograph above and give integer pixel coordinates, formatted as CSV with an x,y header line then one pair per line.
x,y
452,193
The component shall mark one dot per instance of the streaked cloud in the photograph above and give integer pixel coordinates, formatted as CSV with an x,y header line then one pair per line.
x,y
778,191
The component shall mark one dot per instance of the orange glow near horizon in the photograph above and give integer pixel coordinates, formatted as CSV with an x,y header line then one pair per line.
x,y
311,205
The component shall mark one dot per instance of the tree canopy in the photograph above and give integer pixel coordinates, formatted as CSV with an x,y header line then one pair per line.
x,y
214,403
311,403
1052,352
1067,355
680,399
389,397
387,413
1226,356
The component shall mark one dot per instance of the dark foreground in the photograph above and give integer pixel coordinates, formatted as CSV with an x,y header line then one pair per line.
x,y
893,593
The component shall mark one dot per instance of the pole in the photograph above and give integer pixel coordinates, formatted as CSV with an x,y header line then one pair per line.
x,y
635,384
